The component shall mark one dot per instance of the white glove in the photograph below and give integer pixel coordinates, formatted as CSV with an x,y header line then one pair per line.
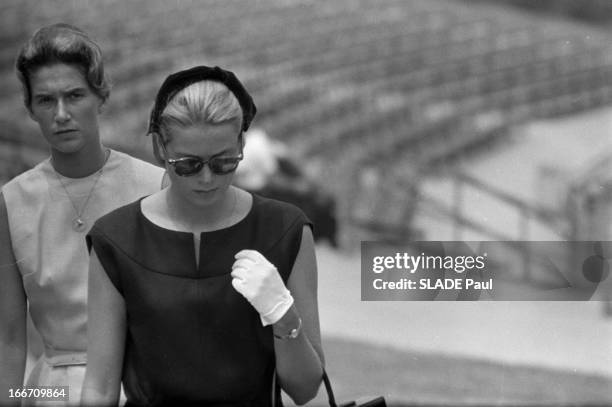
x,y
259,282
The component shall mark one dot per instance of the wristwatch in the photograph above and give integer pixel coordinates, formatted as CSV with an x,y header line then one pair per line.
x,y
293,333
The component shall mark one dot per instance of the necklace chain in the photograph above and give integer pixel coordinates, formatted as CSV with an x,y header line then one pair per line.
x,y
78,223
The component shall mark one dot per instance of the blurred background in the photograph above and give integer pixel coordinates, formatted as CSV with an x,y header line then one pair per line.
x,y
394,121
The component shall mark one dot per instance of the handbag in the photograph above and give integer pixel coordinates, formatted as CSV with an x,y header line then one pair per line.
x,y
375,402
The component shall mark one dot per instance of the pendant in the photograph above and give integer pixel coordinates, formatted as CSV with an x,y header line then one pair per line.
x,y
79,225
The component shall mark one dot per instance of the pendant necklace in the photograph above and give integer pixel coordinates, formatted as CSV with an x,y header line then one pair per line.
x,y
78,223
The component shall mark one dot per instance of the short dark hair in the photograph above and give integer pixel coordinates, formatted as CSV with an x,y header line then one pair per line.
x,y
67,44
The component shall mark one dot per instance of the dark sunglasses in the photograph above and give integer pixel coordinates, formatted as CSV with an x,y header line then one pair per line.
x,y
192,165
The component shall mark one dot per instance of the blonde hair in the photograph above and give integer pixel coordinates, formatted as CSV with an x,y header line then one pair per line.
x,y
208,102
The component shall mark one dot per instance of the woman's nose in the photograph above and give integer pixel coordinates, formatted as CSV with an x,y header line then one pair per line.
x,y
61,112
206,175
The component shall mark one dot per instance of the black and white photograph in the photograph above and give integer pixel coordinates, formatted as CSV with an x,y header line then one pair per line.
x,y
262,203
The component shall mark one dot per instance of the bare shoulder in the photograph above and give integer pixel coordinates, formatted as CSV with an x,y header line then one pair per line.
x,y
305,266
307,245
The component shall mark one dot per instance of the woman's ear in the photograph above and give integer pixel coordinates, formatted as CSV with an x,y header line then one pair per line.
x,y
241,141
158,147
159,142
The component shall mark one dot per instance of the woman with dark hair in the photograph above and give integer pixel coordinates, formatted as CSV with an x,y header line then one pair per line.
x,y
202,293
46,211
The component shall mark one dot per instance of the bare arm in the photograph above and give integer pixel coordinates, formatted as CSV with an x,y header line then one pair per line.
x,y
105,338
13,311
299,361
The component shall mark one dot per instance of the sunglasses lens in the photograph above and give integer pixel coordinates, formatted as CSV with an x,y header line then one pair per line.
x,y
223,165
188,167
191,166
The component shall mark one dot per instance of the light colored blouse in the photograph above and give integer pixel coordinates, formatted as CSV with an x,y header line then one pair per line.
x,y
52,257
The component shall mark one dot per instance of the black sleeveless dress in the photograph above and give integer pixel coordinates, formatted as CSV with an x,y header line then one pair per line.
x,y
191,338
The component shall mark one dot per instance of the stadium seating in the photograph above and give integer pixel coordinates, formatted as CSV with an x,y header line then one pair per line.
x,y
346,84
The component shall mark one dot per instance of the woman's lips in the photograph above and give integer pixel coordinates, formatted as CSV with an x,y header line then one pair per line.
x,y
65,131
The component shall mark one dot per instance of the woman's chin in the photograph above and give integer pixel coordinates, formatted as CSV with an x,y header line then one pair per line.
x,y
68,145
205,197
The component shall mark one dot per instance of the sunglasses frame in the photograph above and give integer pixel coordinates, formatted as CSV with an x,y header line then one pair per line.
x,y
174,161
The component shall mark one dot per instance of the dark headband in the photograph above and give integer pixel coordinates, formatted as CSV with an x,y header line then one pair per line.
x,y
182,79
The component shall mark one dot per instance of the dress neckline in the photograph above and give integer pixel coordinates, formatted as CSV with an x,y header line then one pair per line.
x,y
154,225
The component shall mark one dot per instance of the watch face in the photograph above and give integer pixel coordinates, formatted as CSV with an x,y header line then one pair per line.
x,y
294,333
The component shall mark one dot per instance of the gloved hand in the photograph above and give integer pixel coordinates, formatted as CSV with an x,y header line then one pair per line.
x,y
259,282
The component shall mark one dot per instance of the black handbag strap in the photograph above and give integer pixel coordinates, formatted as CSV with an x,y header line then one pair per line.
x,y
276,394
328,389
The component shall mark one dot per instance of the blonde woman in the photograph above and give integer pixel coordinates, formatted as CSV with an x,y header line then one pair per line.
x,y
202,292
